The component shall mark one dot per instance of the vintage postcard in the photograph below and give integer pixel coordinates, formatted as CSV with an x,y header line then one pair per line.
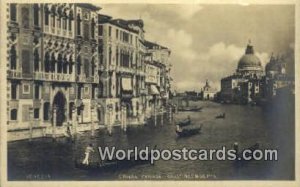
x,y
131,93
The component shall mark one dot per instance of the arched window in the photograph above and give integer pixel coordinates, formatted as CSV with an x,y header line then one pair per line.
x,y
47,62
14,114
59,64
53,61
13,58
70,65
36,59
79,65
65,65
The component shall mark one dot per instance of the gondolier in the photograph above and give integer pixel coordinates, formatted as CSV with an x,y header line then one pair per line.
x,y
88,150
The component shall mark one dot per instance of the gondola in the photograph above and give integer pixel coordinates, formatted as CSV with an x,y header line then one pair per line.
x,y
110,165
184,132
114,164
187,109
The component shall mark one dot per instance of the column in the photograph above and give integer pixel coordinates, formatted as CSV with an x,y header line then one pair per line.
x,y
162,116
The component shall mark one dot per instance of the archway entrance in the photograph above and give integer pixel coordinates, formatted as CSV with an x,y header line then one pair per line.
x,y
60,102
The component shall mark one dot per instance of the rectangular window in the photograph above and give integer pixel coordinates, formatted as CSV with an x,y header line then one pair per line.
x,y
117,34
36,92
86,90
13,91
79,93
46,111
93,93
36,113
25,17
100,30
26,68
86,31
26,88
14,114
109,31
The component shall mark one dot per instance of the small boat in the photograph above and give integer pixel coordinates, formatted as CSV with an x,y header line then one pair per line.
x,y
189,109
221,116
114,164
191,130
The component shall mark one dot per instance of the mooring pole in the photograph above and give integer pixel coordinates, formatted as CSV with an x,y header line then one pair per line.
x,y
31,121
92,121
54,122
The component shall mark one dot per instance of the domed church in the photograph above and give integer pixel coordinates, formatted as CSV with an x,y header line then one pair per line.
x,y
249,64
244,85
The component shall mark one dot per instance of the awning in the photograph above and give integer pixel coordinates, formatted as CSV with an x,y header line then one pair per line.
x,y
154,90
126,84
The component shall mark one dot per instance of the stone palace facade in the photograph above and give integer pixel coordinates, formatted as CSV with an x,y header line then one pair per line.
x,y
67,64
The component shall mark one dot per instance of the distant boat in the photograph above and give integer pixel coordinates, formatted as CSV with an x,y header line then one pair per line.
x,y
221,116
189,109
188,131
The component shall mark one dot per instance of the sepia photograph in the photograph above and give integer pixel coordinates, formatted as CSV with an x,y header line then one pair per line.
x,y
149,92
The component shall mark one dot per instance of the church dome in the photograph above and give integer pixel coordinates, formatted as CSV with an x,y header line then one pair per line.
x,y
249,61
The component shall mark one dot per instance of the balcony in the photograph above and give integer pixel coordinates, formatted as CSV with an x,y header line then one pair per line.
x,y
81,78
59,77
14,74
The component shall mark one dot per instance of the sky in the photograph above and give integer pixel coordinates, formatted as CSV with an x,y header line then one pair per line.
x,y
207,41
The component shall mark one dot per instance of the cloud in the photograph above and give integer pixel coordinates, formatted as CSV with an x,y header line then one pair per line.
x,y
184,11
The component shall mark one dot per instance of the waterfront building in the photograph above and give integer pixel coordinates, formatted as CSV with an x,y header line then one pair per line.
x,y
208,92
244,85
52,64
157,80
276,78
68,64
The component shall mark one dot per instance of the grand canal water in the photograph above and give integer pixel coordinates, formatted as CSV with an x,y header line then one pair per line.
x,y
43,159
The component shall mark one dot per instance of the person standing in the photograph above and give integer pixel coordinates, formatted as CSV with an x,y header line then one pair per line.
x,y
88,150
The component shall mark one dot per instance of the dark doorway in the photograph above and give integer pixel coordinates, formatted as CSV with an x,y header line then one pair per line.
x,y
60,102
